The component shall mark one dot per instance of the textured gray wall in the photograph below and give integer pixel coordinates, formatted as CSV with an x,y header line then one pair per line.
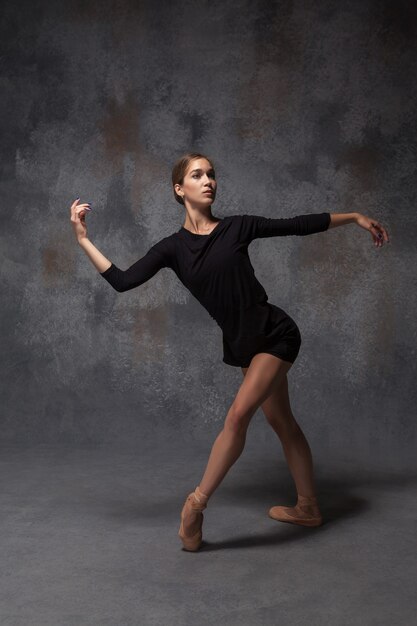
x,y
303,107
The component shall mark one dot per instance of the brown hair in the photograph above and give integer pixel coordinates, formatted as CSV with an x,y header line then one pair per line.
x,y
181,166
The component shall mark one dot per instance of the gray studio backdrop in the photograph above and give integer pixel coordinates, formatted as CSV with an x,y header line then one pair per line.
x,y
303,107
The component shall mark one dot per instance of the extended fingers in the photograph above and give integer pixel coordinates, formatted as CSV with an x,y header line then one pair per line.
x,y
379,233
385,234
78,211
75,206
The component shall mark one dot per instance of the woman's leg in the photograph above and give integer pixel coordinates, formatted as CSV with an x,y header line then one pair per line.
x,y
277,410
263,374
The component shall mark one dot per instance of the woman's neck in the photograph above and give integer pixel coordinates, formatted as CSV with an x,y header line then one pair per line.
x,y
201,223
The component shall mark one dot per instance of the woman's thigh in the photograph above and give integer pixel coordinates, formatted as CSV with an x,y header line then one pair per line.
x,y
263,375
276,407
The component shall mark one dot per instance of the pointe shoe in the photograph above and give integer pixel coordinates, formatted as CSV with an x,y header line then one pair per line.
x,y
305,513
197,502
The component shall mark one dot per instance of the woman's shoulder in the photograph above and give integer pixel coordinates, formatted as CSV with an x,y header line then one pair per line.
x,y
164,248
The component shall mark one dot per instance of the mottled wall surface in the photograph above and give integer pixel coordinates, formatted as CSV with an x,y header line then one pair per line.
x,y
303,107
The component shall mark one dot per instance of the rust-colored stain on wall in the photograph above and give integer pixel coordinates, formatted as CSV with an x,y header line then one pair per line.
x,y
58,260
120,129
267,95
148,173
362,161
149,334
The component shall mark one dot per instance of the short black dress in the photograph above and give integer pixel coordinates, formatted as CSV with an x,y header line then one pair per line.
x,y
217,270
268,329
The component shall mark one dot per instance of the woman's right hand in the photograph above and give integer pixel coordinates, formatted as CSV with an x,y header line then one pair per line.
x,y
78,212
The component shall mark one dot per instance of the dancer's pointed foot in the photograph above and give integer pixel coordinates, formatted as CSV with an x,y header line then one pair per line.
x,y
305,513
192,520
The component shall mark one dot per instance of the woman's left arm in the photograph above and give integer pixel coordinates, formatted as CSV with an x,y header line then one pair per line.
x,y
378,232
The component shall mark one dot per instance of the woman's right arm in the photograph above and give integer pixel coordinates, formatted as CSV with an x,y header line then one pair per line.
x,y
100,262
120,280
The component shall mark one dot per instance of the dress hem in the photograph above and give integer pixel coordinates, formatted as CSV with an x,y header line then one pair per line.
x,y
260,352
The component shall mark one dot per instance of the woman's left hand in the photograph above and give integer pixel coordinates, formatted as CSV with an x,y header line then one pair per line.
x,y
378,232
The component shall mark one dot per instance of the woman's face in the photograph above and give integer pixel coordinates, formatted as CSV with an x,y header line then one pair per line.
x,y
199,179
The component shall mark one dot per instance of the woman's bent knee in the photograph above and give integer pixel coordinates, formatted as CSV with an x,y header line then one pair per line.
x,y
285,426
238,418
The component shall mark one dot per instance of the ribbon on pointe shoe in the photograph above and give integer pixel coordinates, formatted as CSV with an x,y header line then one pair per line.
x,y
196,502
200,498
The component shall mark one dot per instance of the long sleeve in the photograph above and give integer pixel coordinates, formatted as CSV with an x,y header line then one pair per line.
x,y
256,226
136,274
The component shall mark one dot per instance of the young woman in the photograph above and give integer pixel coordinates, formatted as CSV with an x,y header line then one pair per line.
x,y
210,257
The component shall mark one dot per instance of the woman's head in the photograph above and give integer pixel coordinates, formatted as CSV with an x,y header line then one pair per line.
x,y
192,175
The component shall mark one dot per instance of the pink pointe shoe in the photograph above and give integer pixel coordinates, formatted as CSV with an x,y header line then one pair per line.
x,y
195,502
306,512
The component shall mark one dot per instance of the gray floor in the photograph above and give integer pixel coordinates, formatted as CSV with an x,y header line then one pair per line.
x,y
89,536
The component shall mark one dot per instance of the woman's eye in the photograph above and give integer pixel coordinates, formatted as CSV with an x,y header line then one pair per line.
x,y
211,175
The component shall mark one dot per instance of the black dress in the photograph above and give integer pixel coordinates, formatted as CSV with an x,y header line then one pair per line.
x,y
217,270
